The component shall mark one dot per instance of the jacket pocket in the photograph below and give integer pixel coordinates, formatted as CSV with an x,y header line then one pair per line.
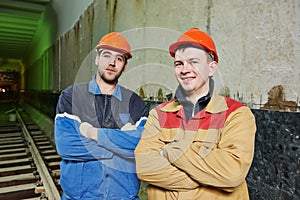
x,y
168,135
124,117
206,141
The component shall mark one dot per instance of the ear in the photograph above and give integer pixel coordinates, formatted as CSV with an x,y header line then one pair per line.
x,y
97,60
213,66
124,67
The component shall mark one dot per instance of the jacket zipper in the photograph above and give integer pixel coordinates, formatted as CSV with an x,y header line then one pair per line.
x,y
193,113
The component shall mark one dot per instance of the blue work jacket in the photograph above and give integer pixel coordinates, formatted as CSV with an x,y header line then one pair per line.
x,y
103,170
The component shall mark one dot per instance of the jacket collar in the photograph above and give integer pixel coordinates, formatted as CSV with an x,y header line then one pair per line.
x,y
179,95
216,104
94,89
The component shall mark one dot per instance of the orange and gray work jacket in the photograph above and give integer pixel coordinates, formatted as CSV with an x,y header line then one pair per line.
x,y
205,157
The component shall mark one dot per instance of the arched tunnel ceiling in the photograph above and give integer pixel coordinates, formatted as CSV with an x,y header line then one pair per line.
x,y
18,23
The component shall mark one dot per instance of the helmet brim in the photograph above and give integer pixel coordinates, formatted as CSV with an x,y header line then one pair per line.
x,y
173,47
122,51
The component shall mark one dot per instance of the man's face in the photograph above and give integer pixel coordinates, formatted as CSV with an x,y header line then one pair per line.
x,y
193,69
110,64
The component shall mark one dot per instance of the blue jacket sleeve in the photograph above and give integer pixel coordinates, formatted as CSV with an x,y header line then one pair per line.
x,y
71,145
121,142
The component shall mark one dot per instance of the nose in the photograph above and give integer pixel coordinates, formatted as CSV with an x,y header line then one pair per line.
x,y
112,61
186,67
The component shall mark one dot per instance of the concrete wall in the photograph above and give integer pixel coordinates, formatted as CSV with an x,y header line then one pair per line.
x,y
257,42
68,13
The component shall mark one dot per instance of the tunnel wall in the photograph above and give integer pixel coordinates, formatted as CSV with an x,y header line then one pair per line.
x,y
257,42
275,172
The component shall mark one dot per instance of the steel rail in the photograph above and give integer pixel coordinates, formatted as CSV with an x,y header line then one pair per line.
x,y
51,190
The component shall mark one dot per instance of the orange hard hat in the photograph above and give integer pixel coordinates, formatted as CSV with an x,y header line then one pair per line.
x,y
116,42
195,37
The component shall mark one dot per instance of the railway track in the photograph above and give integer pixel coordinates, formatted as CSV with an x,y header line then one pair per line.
x,y
29,163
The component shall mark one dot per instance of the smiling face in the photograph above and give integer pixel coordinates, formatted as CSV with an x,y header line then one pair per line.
x,y
193,67
110,64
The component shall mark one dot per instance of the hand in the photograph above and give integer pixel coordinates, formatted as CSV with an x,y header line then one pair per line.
x,y
161,152
88,131
128,127
175,150
83,128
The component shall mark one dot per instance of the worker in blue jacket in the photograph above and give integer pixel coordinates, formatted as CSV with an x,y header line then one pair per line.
x,y
97,127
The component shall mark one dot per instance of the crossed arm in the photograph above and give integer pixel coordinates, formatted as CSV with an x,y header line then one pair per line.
x,y
74,143
179,165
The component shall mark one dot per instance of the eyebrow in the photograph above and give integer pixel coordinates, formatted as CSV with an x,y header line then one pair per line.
x,y
108,52
104,51
189,59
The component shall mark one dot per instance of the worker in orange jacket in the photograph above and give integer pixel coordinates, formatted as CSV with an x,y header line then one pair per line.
x,y
198,145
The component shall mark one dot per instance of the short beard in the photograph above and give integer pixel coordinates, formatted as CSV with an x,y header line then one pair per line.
x,y
111,82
